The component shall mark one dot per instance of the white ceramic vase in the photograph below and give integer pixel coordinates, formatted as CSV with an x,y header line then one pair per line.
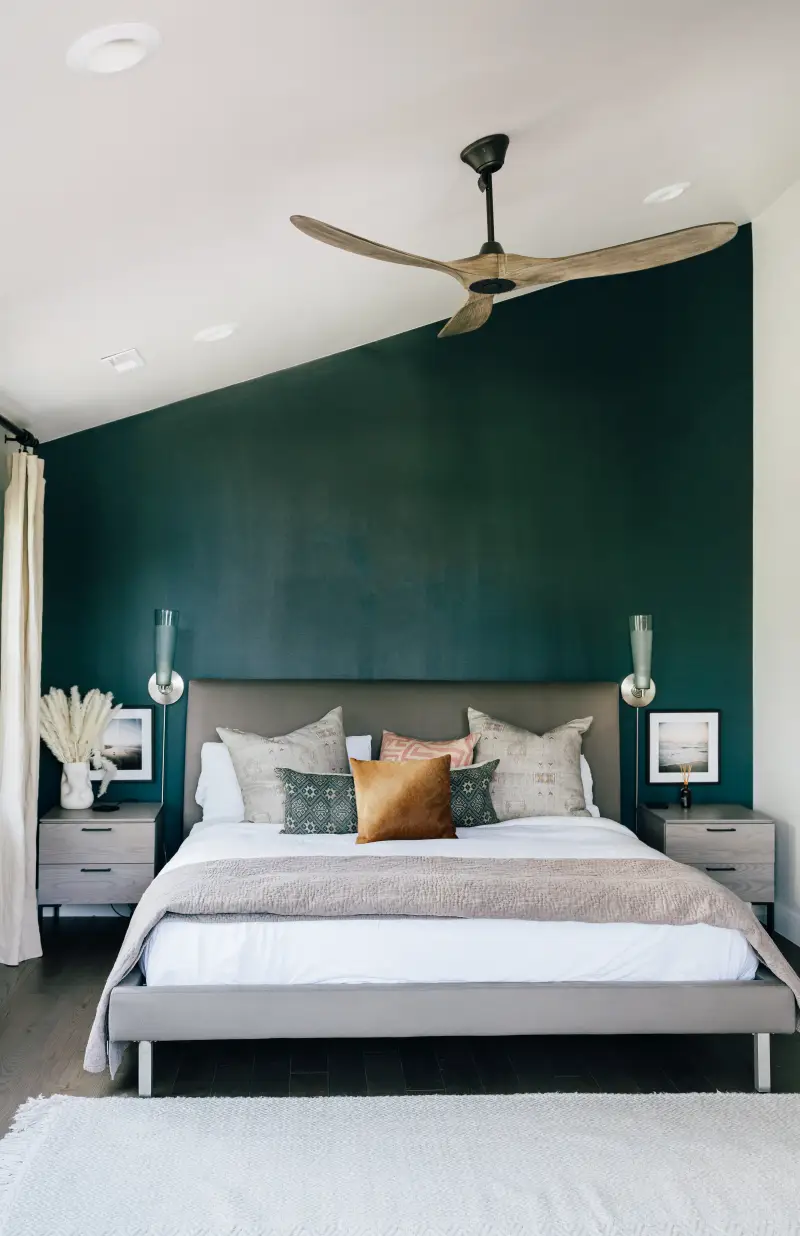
x,y
76,788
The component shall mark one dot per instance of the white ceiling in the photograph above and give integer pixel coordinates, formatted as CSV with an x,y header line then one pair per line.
x,y
137,208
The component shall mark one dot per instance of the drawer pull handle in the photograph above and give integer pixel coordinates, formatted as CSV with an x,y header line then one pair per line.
x,y
97,830
720,868
720,830
89,870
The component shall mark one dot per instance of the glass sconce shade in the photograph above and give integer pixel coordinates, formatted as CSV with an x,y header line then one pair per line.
x,y
166,637
641,626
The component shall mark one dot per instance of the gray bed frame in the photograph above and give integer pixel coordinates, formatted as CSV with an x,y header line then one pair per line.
x,y
145,1015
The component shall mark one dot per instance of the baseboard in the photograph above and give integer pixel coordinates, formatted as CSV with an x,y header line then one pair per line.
x,y
787,922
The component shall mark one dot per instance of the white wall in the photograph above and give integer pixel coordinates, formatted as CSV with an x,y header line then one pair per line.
x,y
776,525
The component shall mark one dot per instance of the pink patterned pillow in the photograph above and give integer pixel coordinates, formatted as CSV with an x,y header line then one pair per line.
x,y
398,749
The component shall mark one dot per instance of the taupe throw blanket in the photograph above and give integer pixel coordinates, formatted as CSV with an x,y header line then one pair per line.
x,y
612,890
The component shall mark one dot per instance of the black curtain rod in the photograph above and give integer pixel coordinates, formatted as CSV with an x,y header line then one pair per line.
x,y
23,436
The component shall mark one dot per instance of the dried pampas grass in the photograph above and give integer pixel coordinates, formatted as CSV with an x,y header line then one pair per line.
x,y
73,727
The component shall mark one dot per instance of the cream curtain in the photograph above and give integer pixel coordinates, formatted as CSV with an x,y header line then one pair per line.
x,y
20,688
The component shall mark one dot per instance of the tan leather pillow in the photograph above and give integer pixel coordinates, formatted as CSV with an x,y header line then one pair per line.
x,y
409,801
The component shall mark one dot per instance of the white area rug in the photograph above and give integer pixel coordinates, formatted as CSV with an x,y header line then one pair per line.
x,y
493,1165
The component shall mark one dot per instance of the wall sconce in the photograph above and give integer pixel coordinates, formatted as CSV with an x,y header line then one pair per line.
x,y
638,689
165,685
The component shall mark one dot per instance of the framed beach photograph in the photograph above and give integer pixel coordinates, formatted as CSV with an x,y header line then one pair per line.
x,y
676,739
128,743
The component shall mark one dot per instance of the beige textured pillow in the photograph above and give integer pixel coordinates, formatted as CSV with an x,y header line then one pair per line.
x,y
316,748
538,774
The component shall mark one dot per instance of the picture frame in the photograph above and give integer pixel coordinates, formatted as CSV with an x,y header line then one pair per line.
x,y
128,743
687,736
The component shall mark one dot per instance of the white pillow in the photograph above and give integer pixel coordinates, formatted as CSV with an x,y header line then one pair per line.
x,y
359,747
218,790
588,788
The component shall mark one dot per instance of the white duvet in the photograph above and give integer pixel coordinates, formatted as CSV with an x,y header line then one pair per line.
x,y
436,950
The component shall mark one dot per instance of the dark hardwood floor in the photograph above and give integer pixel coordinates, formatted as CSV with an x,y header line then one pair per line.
x,y
46,1008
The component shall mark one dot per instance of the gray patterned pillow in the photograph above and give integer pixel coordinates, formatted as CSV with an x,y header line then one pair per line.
x,y
318,748
539,774
326,803
470,797
318,802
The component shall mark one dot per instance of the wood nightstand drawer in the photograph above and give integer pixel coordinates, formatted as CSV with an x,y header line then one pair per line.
x,y
728,842
750,881
77,842
90,883
698,844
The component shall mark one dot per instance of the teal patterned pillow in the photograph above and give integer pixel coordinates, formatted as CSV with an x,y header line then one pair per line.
x,y
318,802
470,800
326,802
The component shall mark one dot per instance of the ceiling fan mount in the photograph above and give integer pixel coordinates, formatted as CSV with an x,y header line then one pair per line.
x,y
486,155
492,271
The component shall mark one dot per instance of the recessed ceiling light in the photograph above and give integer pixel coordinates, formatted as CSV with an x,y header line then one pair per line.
x,y
213,334
668,193
123,362
112,49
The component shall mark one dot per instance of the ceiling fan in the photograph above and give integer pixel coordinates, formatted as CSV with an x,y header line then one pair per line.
x,y
492,271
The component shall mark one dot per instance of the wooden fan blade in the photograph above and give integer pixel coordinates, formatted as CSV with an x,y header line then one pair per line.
x,y
330,235
620,259
472,314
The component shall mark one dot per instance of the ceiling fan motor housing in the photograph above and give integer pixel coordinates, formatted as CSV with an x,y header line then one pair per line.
x,y
492,287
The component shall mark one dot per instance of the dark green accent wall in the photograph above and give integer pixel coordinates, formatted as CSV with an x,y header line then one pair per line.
x,y
490,506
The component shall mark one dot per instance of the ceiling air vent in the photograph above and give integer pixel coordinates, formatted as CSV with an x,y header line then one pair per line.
x,y
123,362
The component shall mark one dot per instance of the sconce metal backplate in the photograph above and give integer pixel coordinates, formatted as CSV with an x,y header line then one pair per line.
x,y
642,698
166,697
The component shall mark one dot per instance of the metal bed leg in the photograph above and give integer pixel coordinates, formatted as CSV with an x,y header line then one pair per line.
x,y
761,1061
145,1069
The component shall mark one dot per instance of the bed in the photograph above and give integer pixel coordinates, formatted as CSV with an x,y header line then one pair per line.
x,y
408,977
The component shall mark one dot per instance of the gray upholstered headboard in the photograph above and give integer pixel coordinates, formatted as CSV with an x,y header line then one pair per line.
x,y
420,709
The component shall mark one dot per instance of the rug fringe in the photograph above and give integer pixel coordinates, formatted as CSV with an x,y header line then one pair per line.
x,y
29,1129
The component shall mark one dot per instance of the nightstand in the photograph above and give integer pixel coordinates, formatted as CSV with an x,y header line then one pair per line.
x,y
90,858
733,844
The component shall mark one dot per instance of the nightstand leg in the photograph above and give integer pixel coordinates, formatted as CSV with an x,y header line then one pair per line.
x,y
145,1069
761,1061
771,917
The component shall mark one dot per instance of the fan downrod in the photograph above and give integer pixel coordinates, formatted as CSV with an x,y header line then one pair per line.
x,y
486,156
